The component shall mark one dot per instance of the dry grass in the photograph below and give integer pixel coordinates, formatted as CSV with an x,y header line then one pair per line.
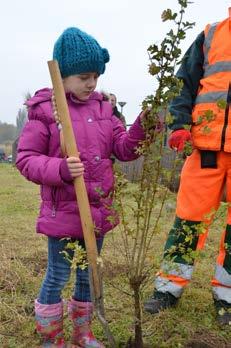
x,y
23,262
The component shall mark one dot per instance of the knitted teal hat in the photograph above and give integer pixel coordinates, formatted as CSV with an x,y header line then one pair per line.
x,y
77,53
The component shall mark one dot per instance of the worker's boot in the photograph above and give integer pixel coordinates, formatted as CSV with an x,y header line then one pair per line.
x,y
159,301
223,311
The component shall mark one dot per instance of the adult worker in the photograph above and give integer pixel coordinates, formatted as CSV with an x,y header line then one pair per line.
x,y
202,116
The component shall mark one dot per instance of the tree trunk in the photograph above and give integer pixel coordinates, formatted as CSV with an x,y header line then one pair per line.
x,y
138,323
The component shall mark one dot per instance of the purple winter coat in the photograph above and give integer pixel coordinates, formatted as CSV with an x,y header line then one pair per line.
x,y
99,134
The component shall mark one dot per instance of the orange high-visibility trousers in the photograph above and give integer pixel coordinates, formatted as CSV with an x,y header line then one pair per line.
x,y
198,199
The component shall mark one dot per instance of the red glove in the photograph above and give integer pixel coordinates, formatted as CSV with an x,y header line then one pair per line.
x,y
178,138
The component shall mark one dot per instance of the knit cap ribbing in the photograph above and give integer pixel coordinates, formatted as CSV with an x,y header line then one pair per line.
x,y
77,52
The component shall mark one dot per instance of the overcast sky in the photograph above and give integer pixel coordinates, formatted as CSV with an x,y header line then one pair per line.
x,y
28,30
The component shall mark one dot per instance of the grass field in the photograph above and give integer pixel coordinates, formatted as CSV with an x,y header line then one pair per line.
x,y
22,265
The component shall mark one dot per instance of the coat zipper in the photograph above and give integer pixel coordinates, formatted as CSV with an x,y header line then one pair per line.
x,y
53,212
53,194
228,102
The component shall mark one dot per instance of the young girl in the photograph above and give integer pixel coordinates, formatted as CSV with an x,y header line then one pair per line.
x,y
41,159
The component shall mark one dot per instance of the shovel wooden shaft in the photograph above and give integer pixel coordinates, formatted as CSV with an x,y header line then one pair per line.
x,y
79,184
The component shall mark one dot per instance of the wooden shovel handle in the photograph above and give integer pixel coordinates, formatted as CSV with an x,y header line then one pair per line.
x,y
79,184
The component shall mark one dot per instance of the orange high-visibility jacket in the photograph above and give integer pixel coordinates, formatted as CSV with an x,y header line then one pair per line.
x,y
211,129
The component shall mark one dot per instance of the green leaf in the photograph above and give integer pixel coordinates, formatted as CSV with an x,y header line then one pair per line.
x,y
221,104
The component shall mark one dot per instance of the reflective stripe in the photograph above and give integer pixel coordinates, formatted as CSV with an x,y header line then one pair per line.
x,y
211,97
165,285
207,44
223,276
217,67
177,269
222,293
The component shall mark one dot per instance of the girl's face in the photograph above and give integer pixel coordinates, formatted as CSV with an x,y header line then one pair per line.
x,y
81,85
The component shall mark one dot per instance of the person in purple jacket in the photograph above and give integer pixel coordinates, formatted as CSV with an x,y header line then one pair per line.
x,y
41,159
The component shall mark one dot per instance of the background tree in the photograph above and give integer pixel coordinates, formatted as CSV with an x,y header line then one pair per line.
x,y
7,132
21,119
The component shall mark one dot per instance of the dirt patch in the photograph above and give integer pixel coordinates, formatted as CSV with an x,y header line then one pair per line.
x,y
37,263
131,344
206,339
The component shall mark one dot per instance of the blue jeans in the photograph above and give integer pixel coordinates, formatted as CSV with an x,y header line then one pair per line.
x,y
58,273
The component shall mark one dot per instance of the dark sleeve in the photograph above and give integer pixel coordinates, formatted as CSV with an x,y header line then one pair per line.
x,y
190,72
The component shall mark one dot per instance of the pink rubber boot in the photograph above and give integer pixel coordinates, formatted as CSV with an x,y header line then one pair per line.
x,y
49,324
81,315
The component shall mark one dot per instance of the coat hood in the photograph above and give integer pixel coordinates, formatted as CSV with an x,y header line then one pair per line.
x,y
41,95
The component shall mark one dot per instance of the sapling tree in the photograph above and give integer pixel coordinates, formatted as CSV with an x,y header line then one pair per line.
x,y
141,218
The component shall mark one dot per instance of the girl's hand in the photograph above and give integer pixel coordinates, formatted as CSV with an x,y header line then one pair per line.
x,y
75,166
144,113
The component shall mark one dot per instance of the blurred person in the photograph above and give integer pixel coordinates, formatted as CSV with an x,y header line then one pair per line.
x,y
119,115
